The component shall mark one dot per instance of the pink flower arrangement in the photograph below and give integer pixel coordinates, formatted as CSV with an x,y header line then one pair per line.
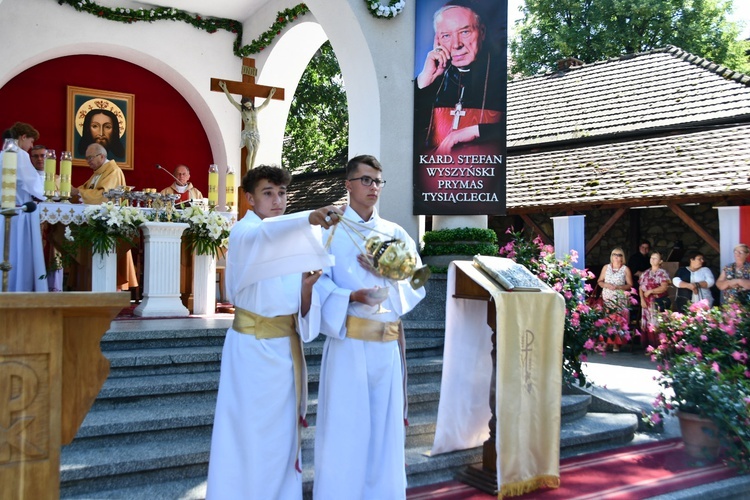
x,y
588,327
703,367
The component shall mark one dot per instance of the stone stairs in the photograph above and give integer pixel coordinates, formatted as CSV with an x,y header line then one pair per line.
x,y
148,433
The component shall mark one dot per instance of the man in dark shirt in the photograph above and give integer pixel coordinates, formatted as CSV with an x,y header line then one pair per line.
x,y
639,261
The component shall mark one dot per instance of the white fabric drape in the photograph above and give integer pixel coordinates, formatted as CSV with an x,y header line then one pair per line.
x,y
569,235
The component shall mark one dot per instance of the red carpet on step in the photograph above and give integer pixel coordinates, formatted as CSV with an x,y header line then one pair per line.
x,y
631,473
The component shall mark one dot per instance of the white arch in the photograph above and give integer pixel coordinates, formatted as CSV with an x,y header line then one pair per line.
x,y
355,55
286,62
37,30
157,67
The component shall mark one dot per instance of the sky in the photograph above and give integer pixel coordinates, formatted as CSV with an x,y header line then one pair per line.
x,y
741,13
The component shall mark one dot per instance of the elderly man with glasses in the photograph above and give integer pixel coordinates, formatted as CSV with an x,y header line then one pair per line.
x,y
107,175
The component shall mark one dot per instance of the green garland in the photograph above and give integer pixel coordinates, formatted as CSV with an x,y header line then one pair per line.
x,y
394,8
209,24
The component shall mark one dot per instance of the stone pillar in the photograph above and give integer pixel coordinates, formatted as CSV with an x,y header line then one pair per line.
x,y
204,284
161,273
104,272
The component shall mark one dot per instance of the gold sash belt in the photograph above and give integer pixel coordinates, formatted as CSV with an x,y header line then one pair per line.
x,y
278,327
370,330
262,327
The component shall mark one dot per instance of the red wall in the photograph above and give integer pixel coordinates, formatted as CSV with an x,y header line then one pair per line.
x,y
166,130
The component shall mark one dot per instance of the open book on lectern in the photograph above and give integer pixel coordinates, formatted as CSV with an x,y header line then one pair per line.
x,y
509,274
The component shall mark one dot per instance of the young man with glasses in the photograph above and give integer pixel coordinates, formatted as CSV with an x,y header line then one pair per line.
x,y
107,175
359,437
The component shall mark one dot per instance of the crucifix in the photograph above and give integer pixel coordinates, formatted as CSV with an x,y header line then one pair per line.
x,y
459,111
249,90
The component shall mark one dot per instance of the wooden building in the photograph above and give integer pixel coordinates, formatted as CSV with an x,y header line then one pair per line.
x,y
645,145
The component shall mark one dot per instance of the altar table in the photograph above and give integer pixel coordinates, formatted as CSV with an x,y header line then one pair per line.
x,y
70,213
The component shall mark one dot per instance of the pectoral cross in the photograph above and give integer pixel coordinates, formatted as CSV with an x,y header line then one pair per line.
x,y
246,88
458,112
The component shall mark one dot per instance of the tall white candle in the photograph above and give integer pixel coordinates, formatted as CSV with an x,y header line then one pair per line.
x,y
10,164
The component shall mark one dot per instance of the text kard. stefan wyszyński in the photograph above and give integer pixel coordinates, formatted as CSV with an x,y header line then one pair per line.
x,y
461,178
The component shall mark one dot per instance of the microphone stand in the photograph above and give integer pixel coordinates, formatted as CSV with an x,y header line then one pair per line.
x,y
179,183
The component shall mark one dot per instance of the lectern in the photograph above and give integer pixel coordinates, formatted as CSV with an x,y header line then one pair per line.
x,y
508,346
51,370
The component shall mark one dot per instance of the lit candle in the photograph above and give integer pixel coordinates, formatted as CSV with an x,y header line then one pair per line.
x,y
10,163
66,169
231,193
50,167
213,185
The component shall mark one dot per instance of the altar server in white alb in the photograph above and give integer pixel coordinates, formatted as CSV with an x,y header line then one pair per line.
x,y
273,261
28,270
360,428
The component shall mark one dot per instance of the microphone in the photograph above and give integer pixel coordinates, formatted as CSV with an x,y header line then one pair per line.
x,y
159,167
28,207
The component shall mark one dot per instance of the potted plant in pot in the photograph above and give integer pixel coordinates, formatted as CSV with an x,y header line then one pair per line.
x,y
703,369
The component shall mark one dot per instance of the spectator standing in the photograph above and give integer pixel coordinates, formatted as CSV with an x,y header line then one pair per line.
x,y
693,282
616,281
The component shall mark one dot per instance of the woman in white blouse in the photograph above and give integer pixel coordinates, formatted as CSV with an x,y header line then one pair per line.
x,y
693,282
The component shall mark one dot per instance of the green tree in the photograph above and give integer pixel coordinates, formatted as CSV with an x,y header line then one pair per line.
x,y
592,30
317,129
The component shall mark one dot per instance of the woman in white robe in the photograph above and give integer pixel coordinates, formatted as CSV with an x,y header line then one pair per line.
x,y
29,271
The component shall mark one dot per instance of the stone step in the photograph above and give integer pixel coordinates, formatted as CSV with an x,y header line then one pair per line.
x,y
92,466
161,333
140,361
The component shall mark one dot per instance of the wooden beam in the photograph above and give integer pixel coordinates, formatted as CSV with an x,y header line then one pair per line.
x,y
606,227
545,239
249,89
694,226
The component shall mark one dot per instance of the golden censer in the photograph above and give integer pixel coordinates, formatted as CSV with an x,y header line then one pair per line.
x,y
391,257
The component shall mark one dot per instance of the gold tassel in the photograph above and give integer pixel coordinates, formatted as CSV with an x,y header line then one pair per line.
x,y
523,487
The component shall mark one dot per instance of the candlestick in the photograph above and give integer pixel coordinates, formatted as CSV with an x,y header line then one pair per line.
x,y
50,167
66,170
213,185
10,164
231,190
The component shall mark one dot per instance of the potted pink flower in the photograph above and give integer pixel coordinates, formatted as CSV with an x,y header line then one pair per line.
x,y
703,367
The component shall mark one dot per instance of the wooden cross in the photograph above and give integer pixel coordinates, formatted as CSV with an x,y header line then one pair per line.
x,y
246,88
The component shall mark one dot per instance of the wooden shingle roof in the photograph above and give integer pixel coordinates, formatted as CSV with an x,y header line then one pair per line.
x,y
643,129
635,93
315,190
678,168
657,127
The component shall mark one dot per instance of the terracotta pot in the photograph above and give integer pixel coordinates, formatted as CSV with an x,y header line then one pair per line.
x,y
700,436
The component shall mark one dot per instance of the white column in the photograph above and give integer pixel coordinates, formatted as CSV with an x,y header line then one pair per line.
x,y
104,272
161,272
204,284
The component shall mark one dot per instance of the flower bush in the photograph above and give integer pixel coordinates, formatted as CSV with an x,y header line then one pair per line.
x,y
703,369
207,232
588,326
105,226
